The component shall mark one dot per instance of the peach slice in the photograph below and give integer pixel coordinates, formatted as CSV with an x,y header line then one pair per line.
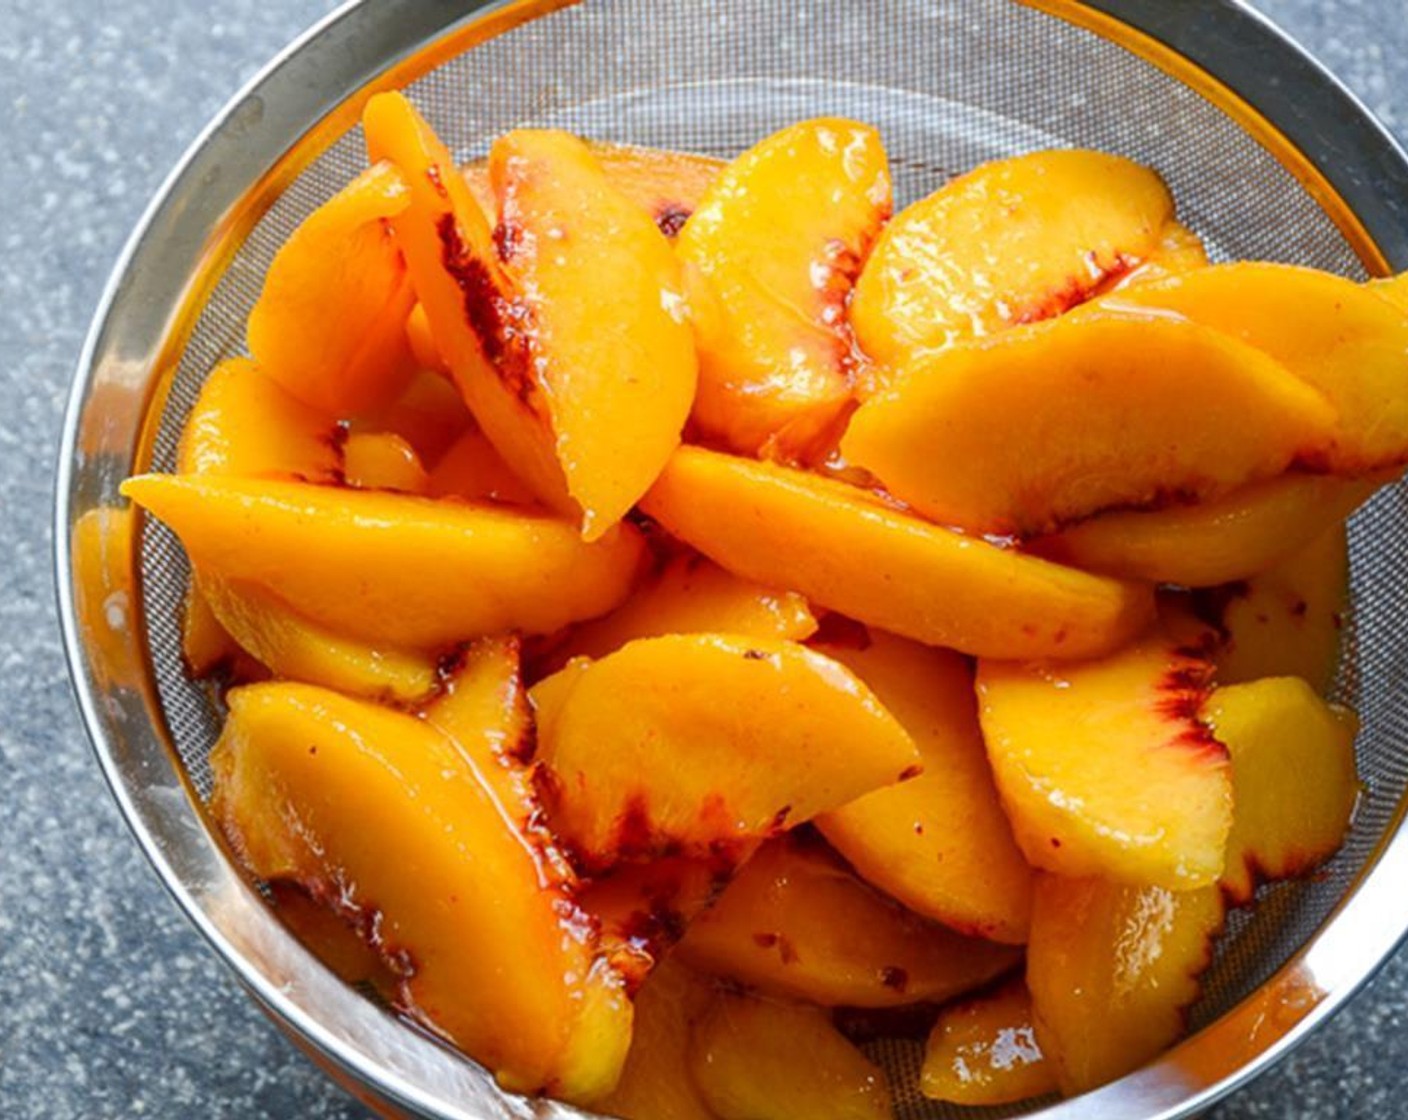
x,y
382,461
422,341
468,299
655,1082
615,360
1334,335
297,649
1104,766
1293,779
374,565
691,744
1046,424
771,255
243,423
983,1051
205,643
1286,622
1111,969
329,325
692,596
1230,538
344,798
796,923
1008,243
472,469
666,185
644,908
846,550
429,415
1179,250
753,1058
1394,289
940,843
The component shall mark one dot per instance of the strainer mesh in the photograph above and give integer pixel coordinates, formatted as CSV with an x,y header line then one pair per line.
x,y
950,84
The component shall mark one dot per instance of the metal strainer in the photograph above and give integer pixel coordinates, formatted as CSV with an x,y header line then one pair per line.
x,y
1268,157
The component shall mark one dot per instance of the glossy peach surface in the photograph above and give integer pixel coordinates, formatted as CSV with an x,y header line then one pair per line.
x,y
770,257
1111,969
644,760
1050,423
1251,529
846,550
690,595
796,923
1105,767
383,817
615,361
244,424
754,1057
1011,242
1336,336
469,304
1293,779
1289,620
984,1051
371,564
329,326
940,843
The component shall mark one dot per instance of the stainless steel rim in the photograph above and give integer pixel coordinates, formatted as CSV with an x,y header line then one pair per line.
x,y
183,226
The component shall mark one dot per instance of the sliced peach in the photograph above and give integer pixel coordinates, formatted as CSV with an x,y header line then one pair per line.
x,y
1293,779
846,550
692,743
1111,969
771,255
655,1082
390,568
482,708
205,643
422,341
381,816
1104,766
297,649
1052,422
1011,242
243,423
691,596
1394,289
984,1051
666,185
1336,336
382,461
468,300
333,938
429,415
645,908
756,1059
940,843
1208,543
472,469
329,325
615,360
1179,250
1286,622
797,923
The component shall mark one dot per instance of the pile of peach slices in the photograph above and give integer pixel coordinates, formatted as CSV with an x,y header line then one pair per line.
x,y
675,618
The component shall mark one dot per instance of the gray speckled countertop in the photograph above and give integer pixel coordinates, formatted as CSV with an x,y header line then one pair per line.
x,y
110,1005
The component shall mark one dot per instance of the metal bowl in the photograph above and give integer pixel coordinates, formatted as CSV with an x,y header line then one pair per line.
x,y
1268,156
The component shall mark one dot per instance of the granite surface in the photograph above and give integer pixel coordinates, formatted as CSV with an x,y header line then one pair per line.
x,y
110,1005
